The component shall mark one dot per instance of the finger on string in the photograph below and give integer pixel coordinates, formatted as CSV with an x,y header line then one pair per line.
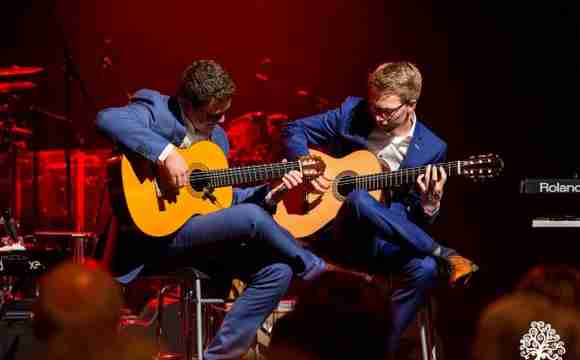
x,y
421,183
428,175
286,183
317,187
434,173
322,184
443,172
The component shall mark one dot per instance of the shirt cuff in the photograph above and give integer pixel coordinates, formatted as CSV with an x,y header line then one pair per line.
x,y
269,204
268,198
165,153
431,210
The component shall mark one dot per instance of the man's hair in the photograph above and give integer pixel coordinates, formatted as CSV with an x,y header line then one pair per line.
x,y
204,81
504,323
401,78
559,283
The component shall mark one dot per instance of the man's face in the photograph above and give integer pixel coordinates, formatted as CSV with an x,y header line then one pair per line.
x,y
206,117
388,110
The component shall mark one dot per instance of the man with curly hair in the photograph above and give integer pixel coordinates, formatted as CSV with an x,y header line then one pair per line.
x,y
242,241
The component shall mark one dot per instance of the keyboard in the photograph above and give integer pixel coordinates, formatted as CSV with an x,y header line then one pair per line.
x,y
550,186
563,222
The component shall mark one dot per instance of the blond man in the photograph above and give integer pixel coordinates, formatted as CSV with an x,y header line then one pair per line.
x,y
387,236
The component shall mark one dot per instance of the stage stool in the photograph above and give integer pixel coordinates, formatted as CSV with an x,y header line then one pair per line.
x,y
193,305
192,300
425,322
196,313
429,349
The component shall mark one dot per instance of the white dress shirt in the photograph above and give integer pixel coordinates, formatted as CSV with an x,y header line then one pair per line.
x,y
390,149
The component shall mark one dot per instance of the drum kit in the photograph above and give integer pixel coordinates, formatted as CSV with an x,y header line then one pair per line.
x,y
30,255
253,138
14,81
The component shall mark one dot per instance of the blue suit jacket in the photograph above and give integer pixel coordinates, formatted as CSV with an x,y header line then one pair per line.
x,y
346,129
151,121
145,126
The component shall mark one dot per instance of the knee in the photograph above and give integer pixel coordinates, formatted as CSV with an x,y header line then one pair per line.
x,y
281,274
252,211
253,214
426,272
357,198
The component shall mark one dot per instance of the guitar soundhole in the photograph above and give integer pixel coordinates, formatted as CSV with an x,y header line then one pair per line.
x,y
198,181
343,184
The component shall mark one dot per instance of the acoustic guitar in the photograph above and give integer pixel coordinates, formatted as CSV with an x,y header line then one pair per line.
x,y
303,213
157,208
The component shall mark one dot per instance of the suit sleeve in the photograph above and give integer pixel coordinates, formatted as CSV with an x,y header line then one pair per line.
x,y
254,195
132,126
314,130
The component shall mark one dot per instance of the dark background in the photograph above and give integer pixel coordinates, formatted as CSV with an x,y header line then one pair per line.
x,y
498,78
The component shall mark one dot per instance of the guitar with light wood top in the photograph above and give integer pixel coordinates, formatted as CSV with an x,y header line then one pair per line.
x,y
157,208
303,213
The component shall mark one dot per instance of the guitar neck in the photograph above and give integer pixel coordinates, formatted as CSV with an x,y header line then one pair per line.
x,y
399,177
248,174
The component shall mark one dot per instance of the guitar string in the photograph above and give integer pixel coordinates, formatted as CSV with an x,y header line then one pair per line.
x,y
223,176
220,175
241,170
232,173
398,174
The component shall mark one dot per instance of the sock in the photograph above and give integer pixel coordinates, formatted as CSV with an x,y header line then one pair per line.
x,y
444,252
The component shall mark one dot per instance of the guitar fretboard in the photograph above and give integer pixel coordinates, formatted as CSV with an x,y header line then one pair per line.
x,y
244,175
396,178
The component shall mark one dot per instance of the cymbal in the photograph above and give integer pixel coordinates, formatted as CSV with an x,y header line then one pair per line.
x,y
15,131
16,86
15,71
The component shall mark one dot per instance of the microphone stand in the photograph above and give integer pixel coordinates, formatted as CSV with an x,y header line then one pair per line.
x,y
71,73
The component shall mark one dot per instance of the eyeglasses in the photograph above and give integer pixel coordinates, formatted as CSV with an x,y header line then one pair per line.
x,y
386,112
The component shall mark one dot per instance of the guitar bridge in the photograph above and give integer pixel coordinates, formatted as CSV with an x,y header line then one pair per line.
x,y
208,195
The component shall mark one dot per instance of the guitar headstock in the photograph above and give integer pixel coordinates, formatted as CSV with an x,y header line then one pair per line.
x,y
482,167
312,166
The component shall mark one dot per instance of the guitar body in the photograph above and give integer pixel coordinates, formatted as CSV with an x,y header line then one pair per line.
x,y
159,210
303,213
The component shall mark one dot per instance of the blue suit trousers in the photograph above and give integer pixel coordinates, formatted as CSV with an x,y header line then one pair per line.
x,y
243,241
380,239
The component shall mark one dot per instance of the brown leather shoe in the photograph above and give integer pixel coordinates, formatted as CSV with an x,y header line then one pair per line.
x,y
460,269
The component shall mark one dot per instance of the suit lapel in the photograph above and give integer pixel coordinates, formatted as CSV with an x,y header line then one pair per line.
x,y
419,151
